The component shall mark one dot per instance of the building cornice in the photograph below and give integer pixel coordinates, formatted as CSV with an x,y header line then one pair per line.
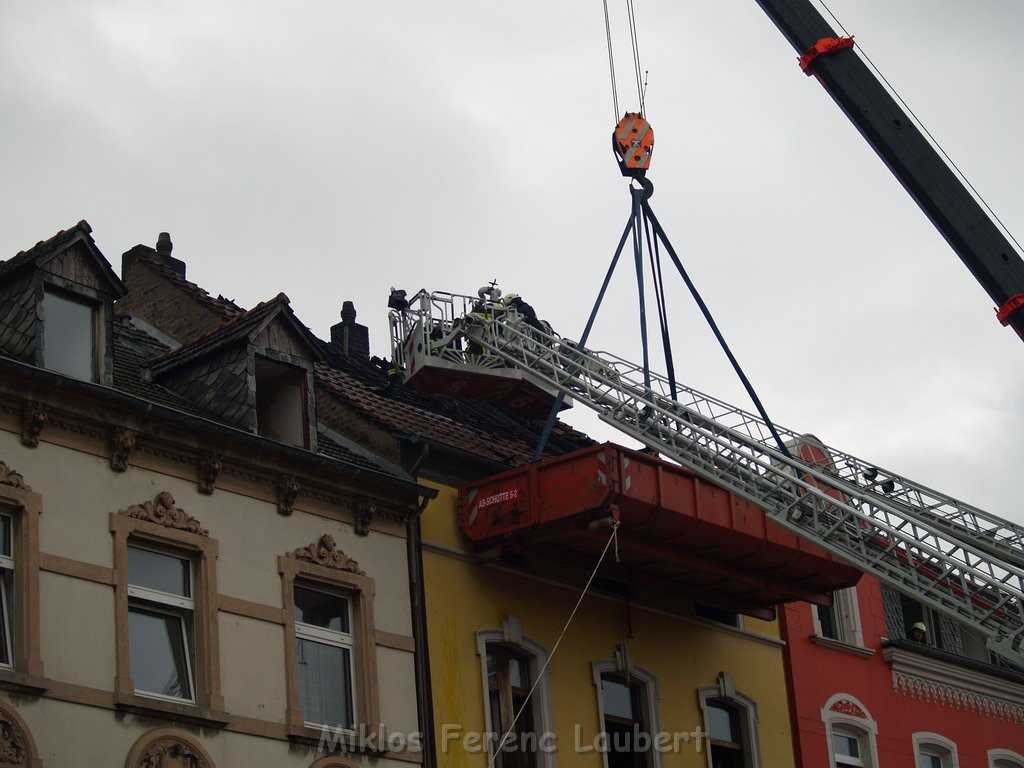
x,y
168,434
920,676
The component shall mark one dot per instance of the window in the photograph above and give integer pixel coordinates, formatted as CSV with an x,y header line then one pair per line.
x,y
850,732
725,736
711,613
731,725
623,721
847,746
166,614
167,747
841,620
1004,758
69,336
161,620
913,613
323,656
508,685
510,666
934,751
628,707
20,665
7,595
281,402
330,644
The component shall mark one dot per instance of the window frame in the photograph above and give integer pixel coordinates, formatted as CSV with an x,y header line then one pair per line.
x,y
87,298
511,636
25,673
360,591
153,601
934,745
332,638
846,613
207,706
624,669
7,619
726,696
1004,758
864,729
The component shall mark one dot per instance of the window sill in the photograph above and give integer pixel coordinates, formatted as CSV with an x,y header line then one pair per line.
x,y
23,683
838,645
188,713
363,741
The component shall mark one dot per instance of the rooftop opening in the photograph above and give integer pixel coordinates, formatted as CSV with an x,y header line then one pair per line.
x,y
281,402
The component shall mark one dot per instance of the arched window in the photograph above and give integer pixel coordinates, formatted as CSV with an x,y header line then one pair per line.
x,y
731,724
19,748
627,702
934,751
167,746
1004,758
512,665
850,732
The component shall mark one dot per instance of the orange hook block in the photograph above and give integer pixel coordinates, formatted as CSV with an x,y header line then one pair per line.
x,y
633,143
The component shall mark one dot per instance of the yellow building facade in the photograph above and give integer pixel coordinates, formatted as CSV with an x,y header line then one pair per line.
x,y
676,669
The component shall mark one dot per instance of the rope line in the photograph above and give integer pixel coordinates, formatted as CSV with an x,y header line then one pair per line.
x,y
547,663
611,63
636,55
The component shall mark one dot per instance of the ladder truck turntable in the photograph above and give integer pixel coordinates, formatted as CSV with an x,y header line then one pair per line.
x,y
954,557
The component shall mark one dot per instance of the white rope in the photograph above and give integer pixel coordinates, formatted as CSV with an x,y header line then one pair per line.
x,y
614,537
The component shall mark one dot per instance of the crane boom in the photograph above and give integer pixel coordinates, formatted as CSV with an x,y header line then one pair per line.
x,y
954,557
956,213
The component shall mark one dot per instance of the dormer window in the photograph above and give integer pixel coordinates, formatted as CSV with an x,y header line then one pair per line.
x,y
281,402
70,335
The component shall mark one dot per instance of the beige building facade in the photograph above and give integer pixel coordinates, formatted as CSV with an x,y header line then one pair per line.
x,y
179,586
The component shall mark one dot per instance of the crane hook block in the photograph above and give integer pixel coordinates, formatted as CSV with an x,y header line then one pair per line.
x,y
633,143
822,47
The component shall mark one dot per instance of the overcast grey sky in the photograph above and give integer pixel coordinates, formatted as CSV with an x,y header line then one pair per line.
x,y
331,150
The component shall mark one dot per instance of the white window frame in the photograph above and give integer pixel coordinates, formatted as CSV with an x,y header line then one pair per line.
x,y
7,565
725,696
511,636
864,729
934,745
168,604
1005,758
335,639
847,616
850,732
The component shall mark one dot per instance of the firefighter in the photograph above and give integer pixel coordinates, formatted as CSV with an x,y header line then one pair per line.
x,y
919,632
514,301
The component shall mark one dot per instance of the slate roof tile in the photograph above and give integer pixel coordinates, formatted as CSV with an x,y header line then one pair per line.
x,y
474,426
224,307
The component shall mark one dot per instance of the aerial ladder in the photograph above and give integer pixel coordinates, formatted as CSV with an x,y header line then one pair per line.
x,y
953,557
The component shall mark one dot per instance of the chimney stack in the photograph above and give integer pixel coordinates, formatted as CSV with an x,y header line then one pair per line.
x,y
348,335
162,254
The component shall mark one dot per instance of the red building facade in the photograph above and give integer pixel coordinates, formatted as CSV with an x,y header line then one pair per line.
x,y
862,693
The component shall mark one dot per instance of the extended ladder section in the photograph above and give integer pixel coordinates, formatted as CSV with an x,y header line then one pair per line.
x,y
951,556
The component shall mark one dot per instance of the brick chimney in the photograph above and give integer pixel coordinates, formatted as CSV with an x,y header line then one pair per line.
x,y
348,335
162,254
